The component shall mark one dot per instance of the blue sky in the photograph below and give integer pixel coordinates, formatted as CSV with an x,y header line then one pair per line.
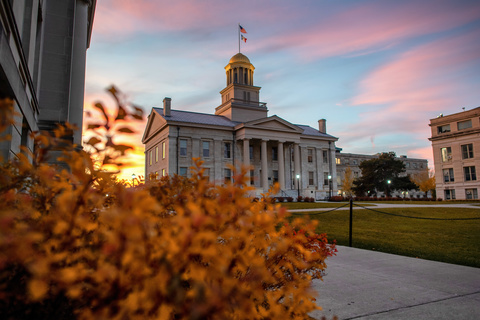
x,y
376,70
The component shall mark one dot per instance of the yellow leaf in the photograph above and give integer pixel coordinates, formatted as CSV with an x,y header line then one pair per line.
x,y
37,288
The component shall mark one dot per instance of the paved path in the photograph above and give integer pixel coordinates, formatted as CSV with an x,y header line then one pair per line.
x,y
363,284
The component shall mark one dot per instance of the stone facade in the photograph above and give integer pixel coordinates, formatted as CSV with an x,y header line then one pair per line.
x,y
241,133
456,153
43,47
344,160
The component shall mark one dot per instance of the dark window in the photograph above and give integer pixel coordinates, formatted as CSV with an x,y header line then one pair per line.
x,y
183,147
310,155
325,156
467,151
311,181
470,173
206,149
464,125
252,177
443,129
471,194
228,175
251,151
227,150
275,176
183,171
274,153
448,175
449,194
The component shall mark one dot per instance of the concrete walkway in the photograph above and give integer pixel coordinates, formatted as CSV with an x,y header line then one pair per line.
x,y
363,284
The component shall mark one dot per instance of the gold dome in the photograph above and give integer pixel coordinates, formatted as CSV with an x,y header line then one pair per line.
x,y
239,57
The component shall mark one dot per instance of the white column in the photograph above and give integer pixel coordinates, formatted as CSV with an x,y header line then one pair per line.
x,y
246,159
264,166
281,166
296,159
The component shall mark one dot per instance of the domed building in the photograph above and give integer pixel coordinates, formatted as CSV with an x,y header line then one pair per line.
x,y
241,133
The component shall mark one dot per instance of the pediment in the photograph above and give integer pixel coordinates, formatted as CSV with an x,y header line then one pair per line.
x,y
155,121
274,123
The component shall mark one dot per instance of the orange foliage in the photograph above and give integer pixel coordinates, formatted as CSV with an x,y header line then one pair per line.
x,y
76,244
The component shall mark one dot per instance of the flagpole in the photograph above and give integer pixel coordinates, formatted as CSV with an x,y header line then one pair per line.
x,y
238,37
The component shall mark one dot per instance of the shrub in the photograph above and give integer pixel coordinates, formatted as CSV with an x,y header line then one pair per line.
x,y
177,248
289,199
299,199
281,199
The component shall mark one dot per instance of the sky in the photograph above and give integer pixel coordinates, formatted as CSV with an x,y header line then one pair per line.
x,y
377,71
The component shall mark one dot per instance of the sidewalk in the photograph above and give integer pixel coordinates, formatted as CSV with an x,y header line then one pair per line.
x,y
362,284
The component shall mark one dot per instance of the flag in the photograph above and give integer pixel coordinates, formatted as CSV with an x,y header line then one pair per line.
x,y
244,39
242,30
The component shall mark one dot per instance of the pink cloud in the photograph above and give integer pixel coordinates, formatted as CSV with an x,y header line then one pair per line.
x,y
371,27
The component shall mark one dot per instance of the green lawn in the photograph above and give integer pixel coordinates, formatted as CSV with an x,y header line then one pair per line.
x,y
447,241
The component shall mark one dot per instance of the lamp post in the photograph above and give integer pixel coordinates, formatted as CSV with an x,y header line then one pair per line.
x,y
388,187
134,176
298,186
329,186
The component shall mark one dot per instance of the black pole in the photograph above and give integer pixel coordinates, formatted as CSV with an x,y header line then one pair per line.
x,y
351,224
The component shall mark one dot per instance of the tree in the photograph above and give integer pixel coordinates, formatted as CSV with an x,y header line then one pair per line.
x,y
380,174
424,180
347,182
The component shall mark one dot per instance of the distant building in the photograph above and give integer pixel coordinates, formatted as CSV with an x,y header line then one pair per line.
x,y
241,133
344,160
42,67
456,153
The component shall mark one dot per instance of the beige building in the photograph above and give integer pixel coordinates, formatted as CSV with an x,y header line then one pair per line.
x,y
43,47
240,132
351,160
456,153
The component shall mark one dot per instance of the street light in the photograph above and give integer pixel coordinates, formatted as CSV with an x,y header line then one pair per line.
x,y
134,176
329,186
298,185
388,187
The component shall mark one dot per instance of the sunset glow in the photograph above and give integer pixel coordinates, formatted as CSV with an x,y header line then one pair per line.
x,y
376,70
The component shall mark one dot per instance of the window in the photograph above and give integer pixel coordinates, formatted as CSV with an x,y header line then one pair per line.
x,y
325,178
354,162
464,125
310,155
274,153
311,181
467,151
446,154
449,194
183,171
415,165
156,175
164,172
252,177
183,147
443,129
471,194
164,151
325,157
151,157
206,149
228,175
227,150
470,173
156,154
407,164
448,175
251,151
355,174
275,176
346,161
337,160
206,173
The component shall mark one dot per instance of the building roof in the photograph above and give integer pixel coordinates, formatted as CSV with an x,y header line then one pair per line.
x,y
196,117
309,131
239,57
216,120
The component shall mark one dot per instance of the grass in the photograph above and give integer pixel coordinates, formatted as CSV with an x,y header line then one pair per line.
x,y
446,241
